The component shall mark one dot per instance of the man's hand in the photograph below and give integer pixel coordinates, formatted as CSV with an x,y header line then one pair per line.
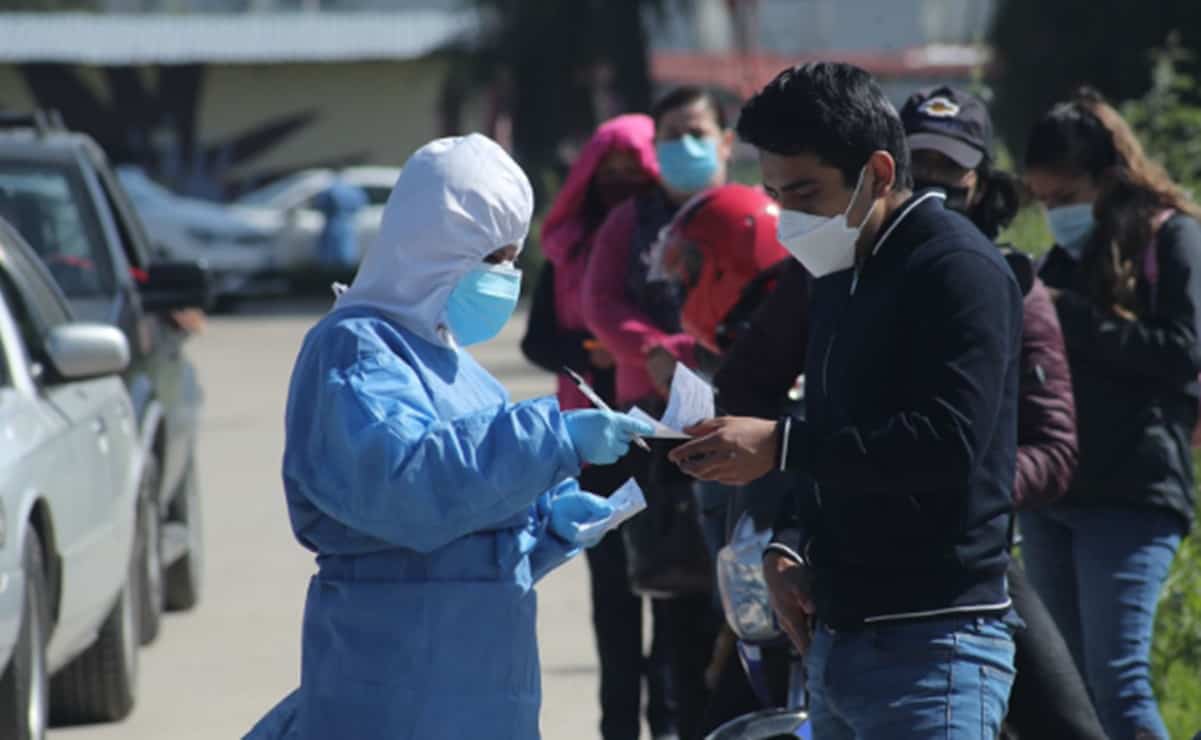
x,y
790,585
731,450
661,366
599,357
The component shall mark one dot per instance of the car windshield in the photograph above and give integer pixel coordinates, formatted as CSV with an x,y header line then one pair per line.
x,y
47,206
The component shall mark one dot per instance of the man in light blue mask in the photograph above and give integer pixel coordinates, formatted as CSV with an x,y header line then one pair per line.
x,y
432,502
693,145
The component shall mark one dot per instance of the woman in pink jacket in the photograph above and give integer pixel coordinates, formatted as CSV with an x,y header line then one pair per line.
x,y
639,321
618,163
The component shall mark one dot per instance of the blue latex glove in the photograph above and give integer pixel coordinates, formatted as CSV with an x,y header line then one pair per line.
x,y
570,511
603,437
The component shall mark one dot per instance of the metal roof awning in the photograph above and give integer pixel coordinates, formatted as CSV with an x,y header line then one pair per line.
x,y
250,38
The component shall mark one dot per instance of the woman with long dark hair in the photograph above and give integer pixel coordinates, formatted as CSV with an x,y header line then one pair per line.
x,y
950,134
1126,276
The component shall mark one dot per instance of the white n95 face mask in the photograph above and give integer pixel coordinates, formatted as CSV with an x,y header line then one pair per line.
x,y
823,244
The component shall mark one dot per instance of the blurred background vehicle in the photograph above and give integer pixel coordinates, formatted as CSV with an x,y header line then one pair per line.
x,y
71,543
236,245
292,205
58,191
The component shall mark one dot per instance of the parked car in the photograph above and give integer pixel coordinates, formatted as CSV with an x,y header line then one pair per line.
x,y
70,502
292,200
236,245
58,191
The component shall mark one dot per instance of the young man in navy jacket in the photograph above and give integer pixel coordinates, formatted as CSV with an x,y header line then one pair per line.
x,y
888,570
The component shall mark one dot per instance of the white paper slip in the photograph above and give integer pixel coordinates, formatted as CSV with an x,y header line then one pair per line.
x,y
662,431
627,502
691,400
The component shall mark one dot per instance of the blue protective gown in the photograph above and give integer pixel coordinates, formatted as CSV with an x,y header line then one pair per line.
x,y
425,495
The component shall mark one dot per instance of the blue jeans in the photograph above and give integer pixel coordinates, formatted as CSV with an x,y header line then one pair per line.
x,y
947,679
1099,571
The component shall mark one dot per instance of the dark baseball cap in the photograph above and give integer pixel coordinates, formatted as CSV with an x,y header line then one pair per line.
x,y
949,121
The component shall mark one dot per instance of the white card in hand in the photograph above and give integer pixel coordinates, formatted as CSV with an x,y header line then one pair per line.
x,y
627,502
662,431
691,400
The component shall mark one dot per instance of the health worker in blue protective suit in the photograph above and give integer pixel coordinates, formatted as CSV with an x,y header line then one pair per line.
x,y
433,503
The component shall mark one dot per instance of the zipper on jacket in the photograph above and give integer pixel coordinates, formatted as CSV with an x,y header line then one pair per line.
x,y
826,364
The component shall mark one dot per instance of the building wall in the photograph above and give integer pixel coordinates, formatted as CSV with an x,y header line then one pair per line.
x,y
382,110
362,112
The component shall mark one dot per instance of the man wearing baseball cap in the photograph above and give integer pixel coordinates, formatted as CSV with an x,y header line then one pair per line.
x,y
950,136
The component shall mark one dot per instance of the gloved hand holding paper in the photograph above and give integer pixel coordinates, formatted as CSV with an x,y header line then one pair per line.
x,y
626,501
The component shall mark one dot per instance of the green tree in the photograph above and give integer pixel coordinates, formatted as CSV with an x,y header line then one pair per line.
x,y
1045,48
1167,118
551,59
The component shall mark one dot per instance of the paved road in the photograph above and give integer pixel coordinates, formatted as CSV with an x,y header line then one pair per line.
x,y
213,672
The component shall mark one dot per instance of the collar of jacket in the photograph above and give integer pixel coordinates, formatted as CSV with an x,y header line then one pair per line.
x,y
896,224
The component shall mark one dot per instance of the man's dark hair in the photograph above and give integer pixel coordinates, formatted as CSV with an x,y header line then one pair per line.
x,y
832,110
682,97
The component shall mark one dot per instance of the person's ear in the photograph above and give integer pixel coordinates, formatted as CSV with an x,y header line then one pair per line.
x,y
726,145
883,170
975,192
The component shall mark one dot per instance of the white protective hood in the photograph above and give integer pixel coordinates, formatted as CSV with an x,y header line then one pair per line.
x,y
457,201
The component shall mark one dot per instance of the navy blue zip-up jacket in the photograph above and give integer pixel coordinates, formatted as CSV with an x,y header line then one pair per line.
x,y
910,428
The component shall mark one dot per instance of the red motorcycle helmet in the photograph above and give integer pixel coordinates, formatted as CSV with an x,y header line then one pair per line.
x,y
719,243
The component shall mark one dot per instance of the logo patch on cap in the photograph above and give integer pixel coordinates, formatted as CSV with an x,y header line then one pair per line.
x,y
940,107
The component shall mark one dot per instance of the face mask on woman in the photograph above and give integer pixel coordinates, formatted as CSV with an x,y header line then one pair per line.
x,y
1071,225
483,302
612,193
688,164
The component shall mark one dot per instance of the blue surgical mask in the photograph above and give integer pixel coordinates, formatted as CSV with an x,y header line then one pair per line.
x,y
1071,226
482,303
688,164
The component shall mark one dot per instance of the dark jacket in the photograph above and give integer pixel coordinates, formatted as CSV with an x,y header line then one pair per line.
x,y
1046,410
911,425
757,372
1136,381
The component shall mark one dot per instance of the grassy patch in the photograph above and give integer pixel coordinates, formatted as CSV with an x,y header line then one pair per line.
x,y
1176,652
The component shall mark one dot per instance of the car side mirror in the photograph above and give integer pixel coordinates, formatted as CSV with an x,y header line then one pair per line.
x,y
174,286
80,350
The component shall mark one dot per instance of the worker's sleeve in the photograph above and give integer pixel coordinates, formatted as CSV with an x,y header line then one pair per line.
x,y
624,329
367,448
551,551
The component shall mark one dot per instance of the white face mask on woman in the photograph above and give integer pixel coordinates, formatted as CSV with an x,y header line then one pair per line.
x,y
823,244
